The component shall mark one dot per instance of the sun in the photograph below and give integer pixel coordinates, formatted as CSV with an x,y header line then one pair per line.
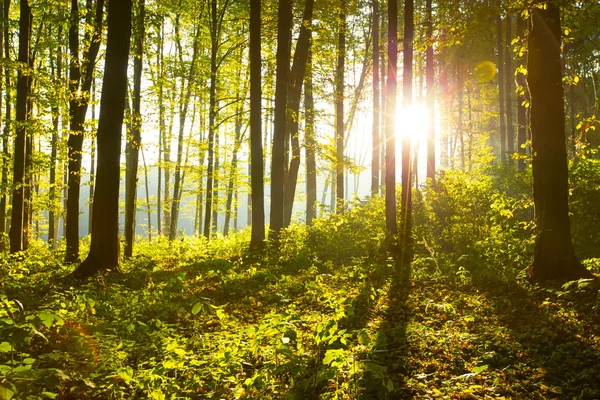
x,y
412,123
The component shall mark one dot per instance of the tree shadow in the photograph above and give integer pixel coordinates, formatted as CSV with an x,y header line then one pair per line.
x,y
550,344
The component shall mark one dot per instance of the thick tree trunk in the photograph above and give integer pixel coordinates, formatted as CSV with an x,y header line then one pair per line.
x,y
79,88
375,162
136,131
257,213
339,108
390,119
309,135
429,78
296,80
104,247
16,228
284,32
554,256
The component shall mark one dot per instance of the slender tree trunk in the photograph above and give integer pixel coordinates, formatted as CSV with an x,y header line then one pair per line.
x,y
284,31
16,228
296,80
104,246
309,135
461,133
554,256
92,160
161,124
376,111
149,209
56,66
79,88
185,99
4,5
390,119
510,133
136,131
339,107
407,77
521,110
237,144
212,113
430,101
383,123
501,87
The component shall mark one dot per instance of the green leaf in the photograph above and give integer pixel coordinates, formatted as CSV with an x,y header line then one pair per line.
x,y
479,369
28,361
196,308
7,391
5,347
363,338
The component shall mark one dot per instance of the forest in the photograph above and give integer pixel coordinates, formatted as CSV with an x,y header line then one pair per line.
x,y
299,199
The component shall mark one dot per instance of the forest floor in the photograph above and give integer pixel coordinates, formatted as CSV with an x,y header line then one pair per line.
x,y
190,319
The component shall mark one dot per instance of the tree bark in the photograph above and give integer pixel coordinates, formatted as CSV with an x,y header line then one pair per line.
x,y
521,110
501,98
4,52
80,82
104,246
510,133
296,80
309,136
256,150
429,78
16,228
375,162
339,108
554,256
406,197
390,119
136,131
284,31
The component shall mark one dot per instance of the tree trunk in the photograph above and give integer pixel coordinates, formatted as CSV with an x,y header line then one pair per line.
x,y
147,195
461,133
104,246
339,108
406,197
257,199
4,52
390,119
375,162
135,136
16,228
309,135
79,88
510,133
501,98
92,160
521,110
429,78
296,80
554,256
284,31
161,124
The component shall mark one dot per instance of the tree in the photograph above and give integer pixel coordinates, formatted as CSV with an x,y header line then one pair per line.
x,y
554,256
429,77
23,86
136,135
339,108
376,111
501,87
81,73
104,246
309,135
407,76
390,119
256,151
284,32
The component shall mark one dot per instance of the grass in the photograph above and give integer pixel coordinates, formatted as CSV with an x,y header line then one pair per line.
x,y
192,319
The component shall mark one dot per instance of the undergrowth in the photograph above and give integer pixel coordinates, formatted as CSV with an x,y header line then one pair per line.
x,y
324,314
